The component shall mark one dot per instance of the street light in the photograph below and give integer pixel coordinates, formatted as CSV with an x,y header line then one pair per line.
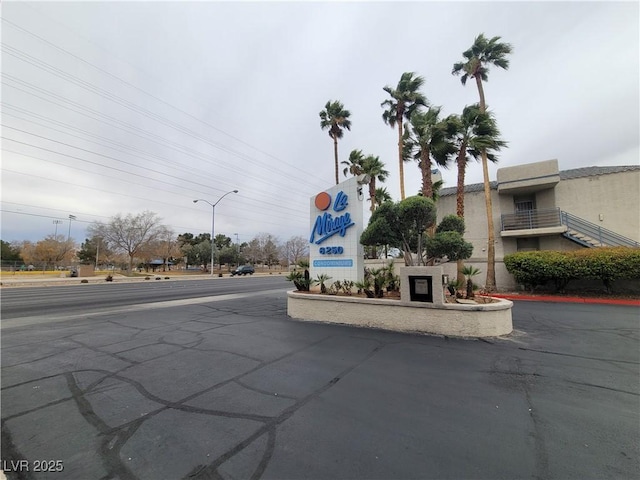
x,y
56,223
71,217
213,222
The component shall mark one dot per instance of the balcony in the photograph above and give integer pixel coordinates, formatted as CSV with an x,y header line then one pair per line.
x,y
532,223
527,179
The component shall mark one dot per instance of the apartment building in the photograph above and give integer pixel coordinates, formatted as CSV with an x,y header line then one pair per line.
x,y
538,207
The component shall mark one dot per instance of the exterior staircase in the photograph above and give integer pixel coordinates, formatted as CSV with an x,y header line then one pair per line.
x,y
574,228
591,235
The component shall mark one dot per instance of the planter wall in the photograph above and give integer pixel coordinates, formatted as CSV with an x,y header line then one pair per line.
x,y
456,320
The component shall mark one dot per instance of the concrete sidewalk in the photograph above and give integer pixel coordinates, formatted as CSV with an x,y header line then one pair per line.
x,y
8,281
569,299
18,281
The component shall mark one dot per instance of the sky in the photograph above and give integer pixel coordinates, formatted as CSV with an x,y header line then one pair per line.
x,y
124,107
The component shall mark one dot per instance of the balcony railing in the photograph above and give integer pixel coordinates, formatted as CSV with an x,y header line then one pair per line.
x,y
530,219
579,230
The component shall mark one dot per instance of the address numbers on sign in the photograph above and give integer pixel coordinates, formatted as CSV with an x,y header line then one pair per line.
x,y
331,250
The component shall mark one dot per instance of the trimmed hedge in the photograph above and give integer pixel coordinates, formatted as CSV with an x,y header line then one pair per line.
x,y
606,264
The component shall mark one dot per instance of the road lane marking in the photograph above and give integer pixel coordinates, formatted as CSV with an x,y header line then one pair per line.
x,y
34,320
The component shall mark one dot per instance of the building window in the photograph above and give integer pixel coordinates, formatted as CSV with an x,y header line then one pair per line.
x,y
524,203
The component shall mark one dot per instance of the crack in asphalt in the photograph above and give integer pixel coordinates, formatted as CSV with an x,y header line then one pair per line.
x,y
113,439
613,360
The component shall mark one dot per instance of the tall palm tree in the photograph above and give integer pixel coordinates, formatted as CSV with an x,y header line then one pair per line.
x,y
405,99
477,59
472,132
335,118
372,166
354,164
429,139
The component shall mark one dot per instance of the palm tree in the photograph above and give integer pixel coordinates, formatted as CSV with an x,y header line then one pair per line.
x,y
405,99
476,63
335,118
354,164
472,132
372,166
429,139
382,195
469,272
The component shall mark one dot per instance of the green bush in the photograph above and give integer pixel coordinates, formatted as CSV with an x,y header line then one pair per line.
x,y
606,264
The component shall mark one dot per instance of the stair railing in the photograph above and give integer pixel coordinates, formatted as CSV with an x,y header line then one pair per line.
x,y
602,235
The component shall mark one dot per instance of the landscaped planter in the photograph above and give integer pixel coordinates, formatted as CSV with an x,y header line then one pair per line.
x,y
456,320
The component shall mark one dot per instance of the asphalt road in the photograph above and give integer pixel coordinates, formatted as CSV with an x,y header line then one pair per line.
x,y
231,388
71,299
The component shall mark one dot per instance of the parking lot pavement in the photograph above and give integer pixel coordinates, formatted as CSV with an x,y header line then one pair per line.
x,y
237,390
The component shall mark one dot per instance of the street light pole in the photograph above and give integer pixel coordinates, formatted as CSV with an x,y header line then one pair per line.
x,y
213,222
56,223
98,252
71,217
237,250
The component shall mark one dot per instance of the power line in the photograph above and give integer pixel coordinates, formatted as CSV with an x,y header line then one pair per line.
x,y
190,197
128,195
114,168
163,142
106,146
142,90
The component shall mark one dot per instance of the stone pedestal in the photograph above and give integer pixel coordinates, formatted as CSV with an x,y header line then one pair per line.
x,y
419,274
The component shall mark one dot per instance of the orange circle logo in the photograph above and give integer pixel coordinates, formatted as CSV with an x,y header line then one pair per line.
x,y
323,201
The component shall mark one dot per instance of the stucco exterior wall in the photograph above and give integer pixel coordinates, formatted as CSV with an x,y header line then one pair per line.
x,y
475,218
615,196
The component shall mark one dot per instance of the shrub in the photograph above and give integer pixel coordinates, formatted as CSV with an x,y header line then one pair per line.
x,y
302,281
323,277
347,285
606,264
109,278
84,280
451,223
365,286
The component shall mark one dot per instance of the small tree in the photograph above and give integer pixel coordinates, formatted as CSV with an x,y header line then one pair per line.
x,y
404,224
469,272
448,240
10,253
130,234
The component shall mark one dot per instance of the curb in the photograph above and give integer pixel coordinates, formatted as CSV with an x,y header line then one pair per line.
x,y
556,299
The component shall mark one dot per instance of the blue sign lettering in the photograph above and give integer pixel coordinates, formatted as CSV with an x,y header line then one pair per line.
x,y
326,226
333,263
341,202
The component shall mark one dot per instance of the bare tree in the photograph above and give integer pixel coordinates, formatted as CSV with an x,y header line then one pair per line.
x,y
295,249
130,234
253,251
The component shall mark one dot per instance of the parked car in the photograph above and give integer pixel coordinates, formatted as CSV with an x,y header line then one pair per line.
x,y
243,270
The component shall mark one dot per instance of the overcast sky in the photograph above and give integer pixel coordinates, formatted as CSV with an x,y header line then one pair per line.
x,y
119,107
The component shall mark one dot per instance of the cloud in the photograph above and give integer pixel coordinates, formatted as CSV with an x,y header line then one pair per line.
x,y
149,105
